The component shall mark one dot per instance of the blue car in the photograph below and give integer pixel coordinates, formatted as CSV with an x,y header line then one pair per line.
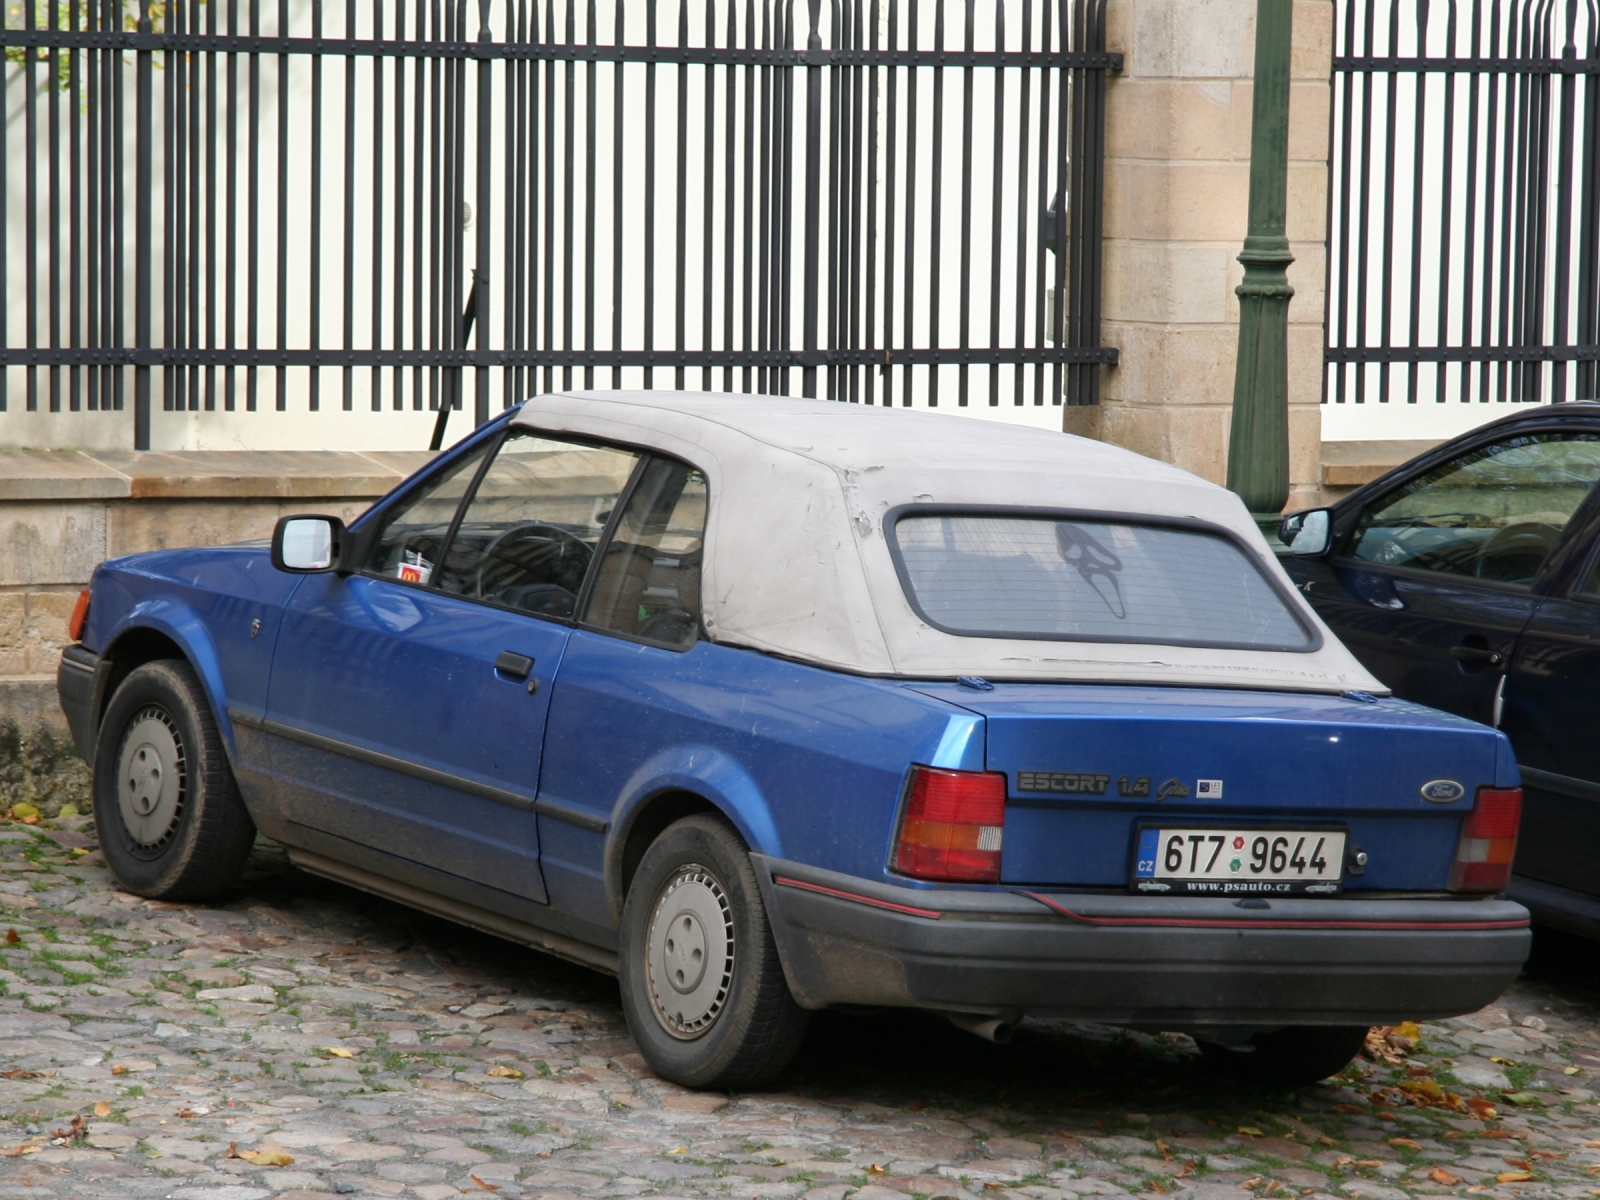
x,y
770,705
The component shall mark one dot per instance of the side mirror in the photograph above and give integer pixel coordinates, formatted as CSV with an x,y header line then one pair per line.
x,y
1308,533
304,545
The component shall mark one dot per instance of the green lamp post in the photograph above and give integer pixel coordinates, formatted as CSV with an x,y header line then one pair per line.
x,y
1258,444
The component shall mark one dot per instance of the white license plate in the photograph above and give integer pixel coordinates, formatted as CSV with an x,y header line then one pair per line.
x,y
1239,862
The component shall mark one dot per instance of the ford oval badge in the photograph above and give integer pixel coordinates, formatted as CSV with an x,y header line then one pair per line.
x,y
1442,791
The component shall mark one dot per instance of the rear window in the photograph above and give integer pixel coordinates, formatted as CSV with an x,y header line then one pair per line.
x,y
1091,581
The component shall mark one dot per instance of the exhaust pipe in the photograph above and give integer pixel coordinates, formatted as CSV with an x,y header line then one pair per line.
x,y
992,1027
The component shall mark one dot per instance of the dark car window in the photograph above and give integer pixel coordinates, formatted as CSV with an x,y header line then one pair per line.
x,y
412,534
1493,513
529,531
1589,589
1097,581
648,584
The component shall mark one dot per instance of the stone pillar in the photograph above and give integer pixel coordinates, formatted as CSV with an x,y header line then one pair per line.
x,y
1177,192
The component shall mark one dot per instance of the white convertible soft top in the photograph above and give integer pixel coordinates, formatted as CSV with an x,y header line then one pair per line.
x,y
796,562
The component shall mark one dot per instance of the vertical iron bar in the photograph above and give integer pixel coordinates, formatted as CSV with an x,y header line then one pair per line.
x,y
143,214
481,218
813,203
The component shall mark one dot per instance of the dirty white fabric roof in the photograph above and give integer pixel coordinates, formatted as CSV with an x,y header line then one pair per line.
x,y
797,562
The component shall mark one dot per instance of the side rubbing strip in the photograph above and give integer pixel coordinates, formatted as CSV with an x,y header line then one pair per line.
x,y
931,914
403,766
570,815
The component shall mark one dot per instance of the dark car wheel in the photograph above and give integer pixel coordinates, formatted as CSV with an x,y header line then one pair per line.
x,y
702,987
167,809
1293,1055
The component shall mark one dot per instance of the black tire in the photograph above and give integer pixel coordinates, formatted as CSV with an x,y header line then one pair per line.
x,y
1293,1055
168,812
736,1031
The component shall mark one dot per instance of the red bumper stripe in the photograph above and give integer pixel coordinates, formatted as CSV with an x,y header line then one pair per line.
x,y
1271,923
931,914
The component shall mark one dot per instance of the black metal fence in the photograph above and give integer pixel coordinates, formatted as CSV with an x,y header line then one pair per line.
x,y
1464,206
270,203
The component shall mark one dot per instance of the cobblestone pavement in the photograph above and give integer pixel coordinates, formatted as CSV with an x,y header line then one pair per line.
x,y
306,1039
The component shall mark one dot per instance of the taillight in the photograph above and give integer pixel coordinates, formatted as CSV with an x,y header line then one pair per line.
x,y
80,614
953,825
1488,842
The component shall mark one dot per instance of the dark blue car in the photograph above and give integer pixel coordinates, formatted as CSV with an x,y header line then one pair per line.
x,y
1469,580
772,705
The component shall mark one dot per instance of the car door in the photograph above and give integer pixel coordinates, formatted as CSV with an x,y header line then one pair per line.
x,y
631,680
408,702
1551,714
1434,582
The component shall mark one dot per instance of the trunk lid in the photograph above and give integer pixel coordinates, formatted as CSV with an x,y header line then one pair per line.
x,y
1087,765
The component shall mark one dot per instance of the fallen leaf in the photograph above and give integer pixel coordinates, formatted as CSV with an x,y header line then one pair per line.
x,y
1504,1062
1326,1140
1524,1098
1251,1131
1415,1071
199,1111
102,1109
1544,1154
1340,1162
1369,1163
1500,1134
1514,1177
16,1150
1351,1109
1481,1109
1594,1170
1569,1070
488,1187
118,1070
338,1051
1440,1175
24,812
79,1128
267,1158
1594,1145
1164,1149
1250,1183
875,1169
1156,1187
1454,1133
19,1073
1520,1164
504,1072
679,1150
13,938
1406,1142
1186,1170
1409,1029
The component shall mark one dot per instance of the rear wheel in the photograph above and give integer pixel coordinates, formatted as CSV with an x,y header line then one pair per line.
x,y
702,988
168,812
1293,1055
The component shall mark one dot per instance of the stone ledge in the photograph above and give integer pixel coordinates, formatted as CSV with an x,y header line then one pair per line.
x,y
31,700
202,474
1351,464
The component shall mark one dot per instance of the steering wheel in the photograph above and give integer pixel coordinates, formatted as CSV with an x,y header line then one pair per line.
x,y
1515,553
556,560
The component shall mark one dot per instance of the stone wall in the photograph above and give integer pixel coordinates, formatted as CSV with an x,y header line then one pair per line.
x,y
1177,190
61,513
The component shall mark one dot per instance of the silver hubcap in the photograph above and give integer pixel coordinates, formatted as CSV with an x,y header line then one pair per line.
x,y
691,952
150,779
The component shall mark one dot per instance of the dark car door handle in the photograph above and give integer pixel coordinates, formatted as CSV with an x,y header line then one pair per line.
x,y
1477,654
513,666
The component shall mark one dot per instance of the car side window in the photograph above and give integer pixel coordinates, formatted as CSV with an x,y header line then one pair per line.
x,y
1493,513
411,536
648,582
530,528
1589,589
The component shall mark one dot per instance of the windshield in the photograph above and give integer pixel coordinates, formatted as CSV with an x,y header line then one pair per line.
x,y
1091,581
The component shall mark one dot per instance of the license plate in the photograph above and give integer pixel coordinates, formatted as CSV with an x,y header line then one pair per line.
x,y
1239,862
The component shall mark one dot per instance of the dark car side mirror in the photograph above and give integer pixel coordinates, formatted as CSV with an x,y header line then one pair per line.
x,y
305,545
1307,533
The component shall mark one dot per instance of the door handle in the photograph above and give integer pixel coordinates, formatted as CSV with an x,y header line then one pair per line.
x,y
512,665
1477,654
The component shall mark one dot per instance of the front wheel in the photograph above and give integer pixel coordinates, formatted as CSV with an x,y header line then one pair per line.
x,y
1293,1055
702,988
168,812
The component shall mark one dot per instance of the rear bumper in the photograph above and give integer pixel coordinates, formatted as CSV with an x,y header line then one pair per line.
x,y
79,683
1173,963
